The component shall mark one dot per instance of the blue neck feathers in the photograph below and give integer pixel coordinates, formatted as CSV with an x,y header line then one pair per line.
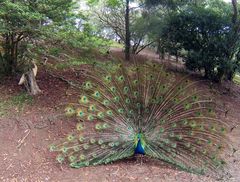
x,y
139,149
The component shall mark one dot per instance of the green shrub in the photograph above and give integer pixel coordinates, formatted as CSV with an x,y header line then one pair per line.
x,y
55,51
204,33
236,79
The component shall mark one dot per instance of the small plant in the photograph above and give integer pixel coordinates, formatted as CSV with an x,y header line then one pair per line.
x,y
55,51
76,62
236,79
73,63
18,102
116,45
21,99
3,107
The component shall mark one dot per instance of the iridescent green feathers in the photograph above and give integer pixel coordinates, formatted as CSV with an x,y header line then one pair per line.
x,y
177,124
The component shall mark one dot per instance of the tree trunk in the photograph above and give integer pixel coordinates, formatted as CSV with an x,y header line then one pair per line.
x,y
127,29
10,53
7,54
169,57
13,56
176,54
162,53
235,12
236,27
29,81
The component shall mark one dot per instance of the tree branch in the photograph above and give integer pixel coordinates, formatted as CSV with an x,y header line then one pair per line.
x,y
143,47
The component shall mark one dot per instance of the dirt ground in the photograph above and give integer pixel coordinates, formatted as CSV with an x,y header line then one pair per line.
x,y
25,136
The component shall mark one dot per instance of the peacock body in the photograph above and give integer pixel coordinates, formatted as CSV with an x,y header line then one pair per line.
x,y
141,108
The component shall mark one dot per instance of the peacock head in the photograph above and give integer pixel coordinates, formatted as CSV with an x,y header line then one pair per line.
x,y
139,136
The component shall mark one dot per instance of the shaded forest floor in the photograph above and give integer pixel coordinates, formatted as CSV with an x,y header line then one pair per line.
x,y
29,125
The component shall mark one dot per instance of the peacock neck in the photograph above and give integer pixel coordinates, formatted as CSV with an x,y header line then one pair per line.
x,y
139,148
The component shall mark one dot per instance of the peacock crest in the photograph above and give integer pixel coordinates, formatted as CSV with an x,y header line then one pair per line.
x,y
140,108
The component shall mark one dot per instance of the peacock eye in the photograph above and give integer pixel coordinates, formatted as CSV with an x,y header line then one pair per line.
x,y
64,149
113,89
82,157
81,139
108,78
125,90
52,148
80,127
135,82
121,78
210,110
121,110
60,158
92,140
70,137
135,94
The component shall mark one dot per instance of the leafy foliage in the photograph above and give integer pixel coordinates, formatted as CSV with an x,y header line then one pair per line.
x,y
22,22
79,34
112,16
204,32
172,4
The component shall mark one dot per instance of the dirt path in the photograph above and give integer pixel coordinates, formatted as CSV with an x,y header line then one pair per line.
x,y
25,137
32,161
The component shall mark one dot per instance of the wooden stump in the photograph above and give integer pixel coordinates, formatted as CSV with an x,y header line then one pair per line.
x,y
29,81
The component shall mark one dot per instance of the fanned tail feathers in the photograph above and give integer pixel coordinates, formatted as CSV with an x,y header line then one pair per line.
x,y
144,104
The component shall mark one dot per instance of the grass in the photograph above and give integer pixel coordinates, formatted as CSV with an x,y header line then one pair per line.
x,y
21,99
236,79
18,102
73,63
55,51
76,62
116,44
3,107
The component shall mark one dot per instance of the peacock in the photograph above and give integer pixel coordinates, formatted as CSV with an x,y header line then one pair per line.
x,y
125,109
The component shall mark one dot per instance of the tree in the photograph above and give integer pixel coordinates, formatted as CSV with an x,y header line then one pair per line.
x,y
123,31
234,41
206,34
172,4
128,34
205,31
160,10
129,24
112,18
22,22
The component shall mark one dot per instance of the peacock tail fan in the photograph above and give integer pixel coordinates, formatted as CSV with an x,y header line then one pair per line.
x,y
125,109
